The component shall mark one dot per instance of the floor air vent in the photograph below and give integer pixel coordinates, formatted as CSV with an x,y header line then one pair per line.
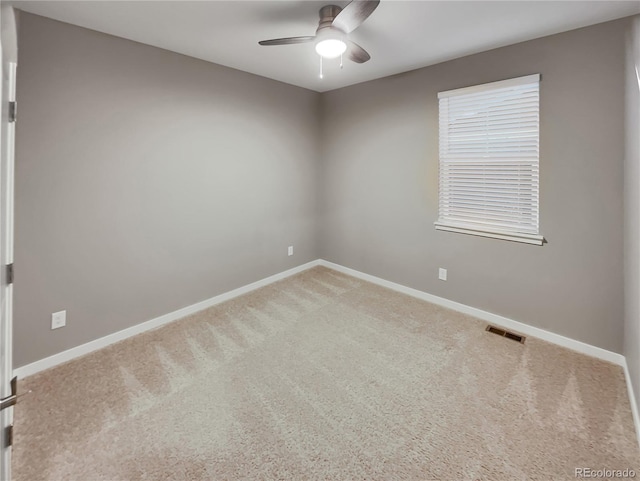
x,y
507,334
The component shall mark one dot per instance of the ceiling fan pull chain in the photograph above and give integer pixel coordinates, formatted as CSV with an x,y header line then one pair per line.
x,y
340,60
321,76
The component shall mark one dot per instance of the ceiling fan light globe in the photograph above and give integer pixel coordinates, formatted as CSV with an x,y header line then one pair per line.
x,y
331,48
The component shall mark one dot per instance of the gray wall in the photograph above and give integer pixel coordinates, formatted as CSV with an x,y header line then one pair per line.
x,y
380,187
632,209
147,181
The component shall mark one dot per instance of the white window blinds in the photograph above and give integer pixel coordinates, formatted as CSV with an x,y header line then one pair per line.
x,y
489,165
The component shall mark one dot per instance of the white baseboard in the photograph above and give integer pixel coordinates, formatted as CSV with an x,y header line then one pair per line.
x,y
633,401
507,323
496,319
91,346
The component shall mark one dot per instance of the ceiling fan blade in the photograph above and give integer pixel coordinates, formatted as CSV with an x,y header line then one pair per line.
x,y
356,53
287,41
352,16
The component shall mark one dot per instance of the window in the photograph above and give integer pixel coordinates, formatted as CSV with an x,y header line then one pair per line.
x,y
489,165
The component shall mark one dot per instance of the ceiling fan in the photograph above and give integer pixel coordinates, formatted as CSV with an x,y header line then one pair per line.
x,y
332,35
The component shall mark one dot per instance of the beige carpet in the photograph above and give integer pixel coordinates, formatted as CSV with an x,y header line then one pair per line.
x,y
322,376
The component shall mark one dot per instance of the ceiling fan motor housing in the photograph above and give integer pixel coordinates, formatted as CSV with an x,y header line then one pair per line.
x,y
327,14
326,31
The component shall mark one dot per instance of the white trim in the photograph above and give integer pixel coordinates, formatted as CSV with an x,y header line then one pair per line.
x,y
632,400
527,79
105,341
496,319
533,239
8,59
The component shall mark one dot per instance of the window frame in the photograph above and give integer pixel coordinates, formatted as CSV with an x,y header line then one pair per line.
x,y
495,232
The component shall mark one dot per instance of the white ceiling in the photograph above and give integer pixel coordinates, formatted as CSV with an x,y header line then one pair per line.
x,y
399,35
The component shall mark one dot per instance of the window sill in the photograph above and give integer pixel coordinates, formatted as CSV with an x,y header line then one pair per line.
x,y
510,236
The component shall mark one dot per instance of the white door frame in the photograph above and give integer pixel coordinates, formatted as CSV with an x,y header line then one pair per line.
x,y
8,62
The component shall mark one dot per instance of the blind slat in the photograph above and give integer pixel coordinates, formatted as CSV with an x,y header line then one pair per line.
x,y
489,157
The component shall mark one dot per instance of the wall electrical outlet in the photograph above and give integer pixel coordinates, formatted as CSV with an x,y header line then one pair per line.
x,y
58,319
442,274
290,251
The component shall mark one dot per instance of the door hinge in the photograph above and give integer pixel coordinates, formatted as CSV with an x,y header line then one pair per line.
x,y
9,273
13,398
8,436
13,111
